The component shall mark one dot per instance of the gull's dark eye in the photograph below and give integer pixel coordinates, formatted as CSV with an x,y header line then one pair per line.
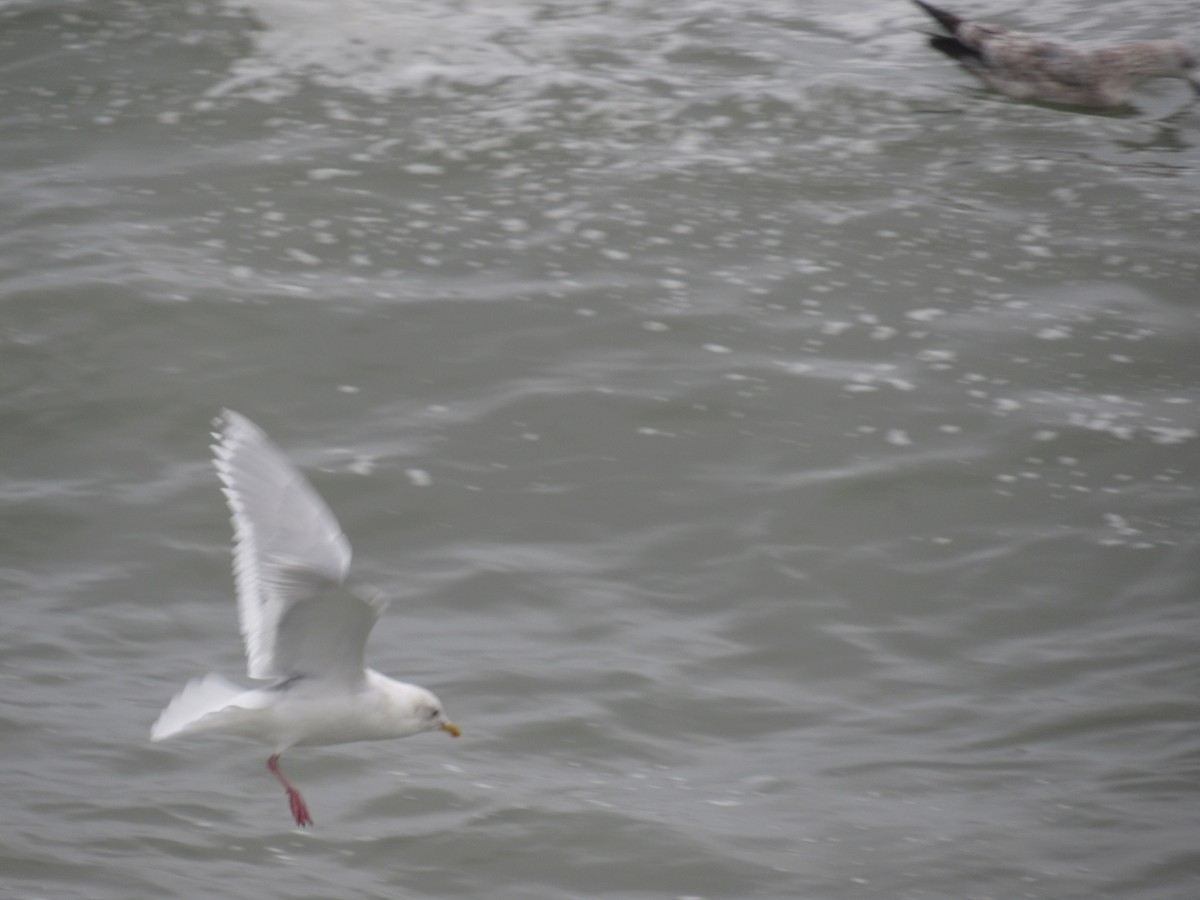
x,y
434,713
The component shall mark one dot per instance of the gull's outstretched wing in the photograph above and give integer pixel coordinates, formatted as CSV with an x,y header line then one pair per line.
x,y
289,560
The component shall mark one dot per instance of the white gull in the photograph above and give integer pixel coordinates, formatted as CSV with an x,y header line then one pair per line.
x,y
302,629
1029,67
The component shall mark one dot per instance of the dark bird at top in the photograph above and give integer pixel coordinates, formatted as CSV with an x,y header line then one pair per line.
x,y
1029,67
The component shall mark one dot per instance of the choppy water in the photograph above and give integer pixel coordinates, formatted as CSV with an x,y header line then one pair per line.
x,y
782,453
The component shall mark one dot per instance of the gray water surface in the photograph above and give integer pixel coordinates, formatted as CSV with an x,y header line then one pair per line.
x,y
780,451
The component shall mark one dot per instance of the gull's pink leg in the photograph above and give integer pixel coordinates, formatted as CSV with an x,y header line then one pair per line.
x,y
299,807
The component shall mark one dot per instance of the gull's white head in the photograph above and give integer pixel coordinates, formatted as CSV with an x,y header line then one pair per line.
x,y
411,709
429,711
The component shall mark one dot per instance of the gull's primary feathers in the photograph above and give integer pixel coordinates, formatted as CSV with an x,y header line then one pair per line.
x,y
301,626
1032,68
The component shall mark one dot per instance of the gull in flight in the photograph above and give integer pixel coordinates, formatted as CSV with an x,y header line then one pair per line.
x,y
303,630
1028,67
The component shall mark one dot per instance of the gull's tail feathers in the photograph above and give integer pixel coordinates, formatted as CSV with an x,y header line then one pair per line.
x,y
200,699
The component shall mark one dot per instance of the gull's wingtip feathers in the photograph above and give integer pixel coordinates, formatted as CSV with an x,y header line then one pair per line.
x,y
947,20
224,420
225,423
225,415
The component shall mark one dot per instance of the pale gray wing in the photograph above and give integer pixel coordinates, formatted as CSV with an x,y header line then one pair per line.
x,y
323,633
289,560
